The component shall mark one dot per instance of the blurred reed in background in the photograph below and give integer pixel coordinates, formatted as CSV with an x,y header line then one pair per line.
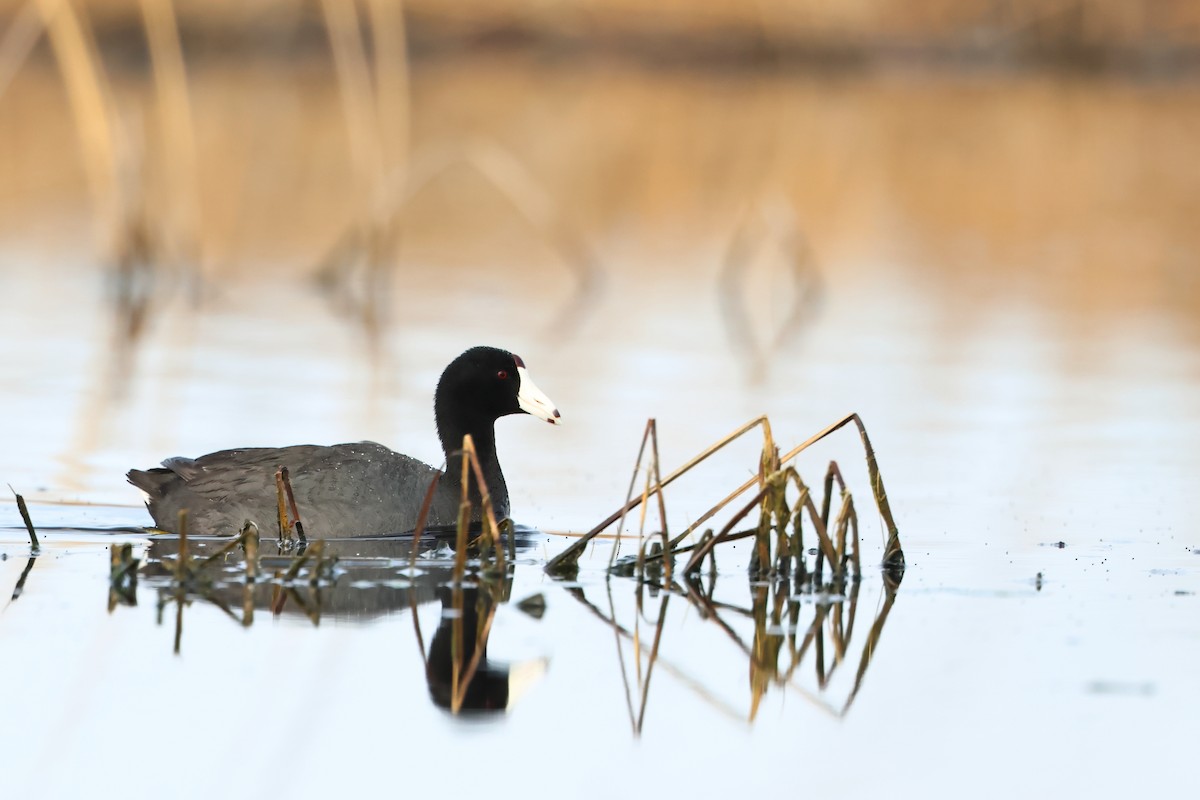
x,y
207,140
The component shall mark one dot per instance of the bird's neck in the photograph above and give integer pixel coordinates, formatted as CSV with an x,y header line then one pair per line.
x,y
483,436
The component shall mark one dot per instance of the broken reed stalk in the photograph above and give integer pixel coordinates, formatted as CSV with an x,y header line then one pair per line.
x,y
464,518
805,501
712,512
698,555
490,533
847,527
640,561
637,465
422,519
249,539
33,539
662,506
704,539
571,554
285,527
832,475
291,498
893,554
775,483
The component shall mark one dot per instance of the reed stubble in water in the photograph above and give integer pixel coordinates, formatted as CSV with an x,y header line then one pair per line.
x,y
24,509
773,479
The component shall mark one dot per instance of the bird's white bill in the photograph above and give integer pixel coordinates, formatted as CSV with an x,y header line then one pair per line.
x,y
522,677
532,401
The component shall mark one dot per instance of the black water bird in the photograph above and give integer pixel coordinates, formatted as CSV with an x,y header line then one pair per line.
x,y
359,489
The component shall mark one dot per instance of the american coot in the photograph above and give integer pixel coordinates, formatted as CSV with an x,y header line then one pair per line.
x,y
359,489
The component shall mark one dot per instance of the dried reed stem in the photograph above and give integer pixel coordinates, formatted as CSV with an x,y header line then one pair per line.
x,y
285,527
291,498
893,556
662,505
464,517
419,531
572,553
87,89
175,120
249,539
637,465
698,555
33,539
487,513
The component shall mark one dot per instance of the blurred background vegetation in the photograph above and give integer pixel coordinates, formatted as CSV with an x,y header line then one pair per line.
x,y
196,140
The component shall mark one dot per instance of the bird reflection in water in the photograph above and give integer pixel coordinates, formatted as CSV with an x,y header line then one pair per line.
x,y
796,633
365,584
461,677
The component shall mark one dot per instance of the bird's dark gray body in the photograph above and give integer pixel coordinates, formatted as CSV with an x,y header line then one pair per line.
x,y
359,489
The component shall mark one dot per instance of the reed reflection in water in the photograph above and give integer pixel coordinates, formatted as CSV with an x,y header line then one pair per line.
x,y
778,627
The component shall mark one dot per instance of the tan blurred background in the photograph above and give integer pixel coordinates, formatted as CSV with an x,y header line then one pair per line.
x,y
948,136
650,201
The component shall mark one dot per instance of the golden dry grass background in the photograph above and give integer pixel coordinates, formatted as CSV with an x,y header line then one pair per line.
x,y
1106,22
1078,179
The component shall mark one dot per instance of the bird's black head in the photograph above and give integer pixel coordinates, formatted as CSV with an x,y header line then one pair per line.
x,y
482,385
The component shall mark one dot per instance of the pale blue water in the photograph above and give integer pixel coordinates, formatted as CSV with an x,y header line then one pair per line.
x,y
1000,433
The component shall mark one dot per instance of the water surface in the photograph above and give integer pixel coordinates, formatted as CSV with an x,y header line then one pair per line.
x,y
1003,285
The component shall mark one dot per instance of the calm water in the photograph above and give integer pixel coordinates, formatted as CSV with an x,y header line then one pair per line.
x,y
1005,289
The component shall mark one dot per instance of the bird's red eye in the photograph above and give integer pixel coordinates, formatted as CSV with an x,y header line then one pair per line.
x,y
502,374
